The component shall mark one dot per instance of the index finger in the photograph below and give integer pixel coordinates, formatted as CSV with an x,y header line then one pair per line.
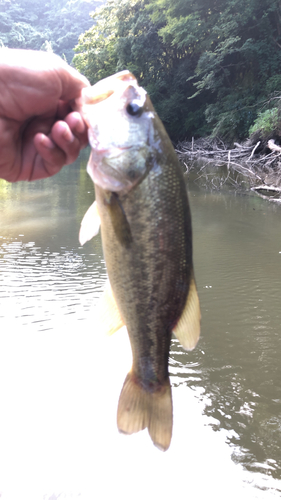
x,y
72,81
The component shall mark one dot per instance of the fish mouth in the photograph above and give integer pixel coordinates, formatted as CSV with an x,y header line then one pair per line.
x,y
98,150
103,148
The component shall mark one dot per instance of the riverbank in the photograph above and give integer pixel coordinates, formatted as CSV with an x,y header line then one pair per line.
x,y
257,161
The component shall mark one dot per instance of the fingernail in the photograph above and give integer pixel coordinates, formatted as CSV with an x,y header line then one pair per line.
x,y
67,135
79,126
46,142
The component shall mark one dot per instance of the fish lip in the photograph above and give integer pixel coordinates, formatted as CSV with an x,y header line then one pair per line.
x,y
99,150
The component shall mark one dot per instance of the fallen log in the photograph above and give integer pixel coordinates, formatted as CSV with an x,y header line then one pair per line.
x,y
270,190
264,187
271,144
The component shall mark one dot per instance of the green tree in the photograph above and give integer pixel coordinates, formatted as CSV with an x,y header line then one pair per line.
x,y
208,65
235,48
33,24
126,37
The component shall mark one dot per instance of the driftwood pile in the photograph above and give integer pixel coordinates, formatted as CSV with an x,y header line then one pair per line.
x,y
259,164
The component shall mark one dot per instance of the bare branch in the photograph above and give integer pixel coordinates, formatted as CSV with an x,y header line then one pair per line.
x,y
260,172
254,149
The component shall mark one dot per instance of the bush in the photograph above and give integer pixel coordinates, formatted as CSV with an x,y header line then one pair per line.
x,y
266,122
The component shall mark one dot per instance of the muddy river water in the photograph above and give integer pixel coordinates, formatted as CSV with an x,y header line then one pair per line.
x,y
60,381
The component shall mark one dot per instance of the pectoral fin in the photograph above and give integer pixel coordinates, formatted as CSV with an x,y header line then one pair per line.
x,y
90,224
119,220
106,314
187,329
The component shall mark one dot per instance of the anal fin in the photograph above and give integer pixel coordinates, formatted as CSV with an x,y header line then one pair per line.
x,y
138,409
187,329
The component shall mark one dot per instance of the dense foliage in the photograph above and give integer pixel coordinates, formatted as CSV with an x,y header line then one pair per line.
x,y
209,65
50,25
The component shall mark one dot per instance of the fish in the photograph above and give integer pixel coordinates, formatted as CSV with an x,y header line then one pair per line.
x,y
142,207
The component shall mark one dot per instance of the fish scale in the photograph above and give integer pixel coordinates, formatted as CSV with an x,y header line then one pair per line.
x,y
147,244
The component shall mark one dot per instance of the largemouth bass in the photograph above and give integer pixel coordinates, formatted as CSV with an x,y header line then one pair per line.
x,y
142,205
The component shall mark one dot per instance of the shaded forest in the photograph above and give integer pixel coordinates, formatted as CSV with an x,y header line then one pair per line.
x,y
45,25
210,66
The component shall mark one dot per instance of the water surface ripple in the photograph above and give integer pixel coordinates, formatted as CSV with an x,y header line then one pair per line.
x,y
227,392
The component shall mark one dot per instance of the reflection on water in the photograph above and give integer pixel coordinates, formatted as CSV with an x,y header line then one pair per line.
x,y
33,276
40,257
238,245
60,382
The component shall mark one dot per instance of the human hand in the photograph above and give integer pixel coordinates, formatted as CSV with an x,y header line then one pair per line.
x,y
39,132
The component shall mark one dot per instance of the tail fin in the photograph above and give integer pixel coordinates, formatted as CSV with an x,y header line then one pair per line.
x,y
138,409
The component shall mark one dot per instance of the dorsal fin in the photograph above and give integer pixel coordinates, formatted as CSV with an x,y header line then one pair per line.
x,y
187,329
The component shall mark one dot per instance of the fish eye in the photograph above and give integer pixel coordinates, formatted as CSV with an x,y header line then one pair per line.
x,y
134,109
